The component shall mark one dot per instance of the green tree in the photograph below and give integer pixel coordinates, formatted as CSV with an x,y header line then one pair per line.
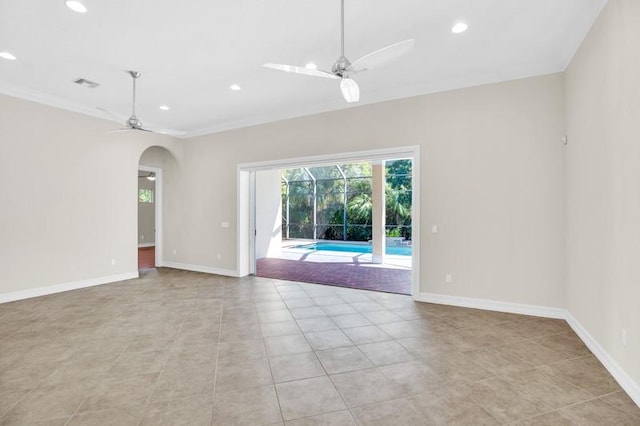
x,y
359,209
397,210
398,197
330,188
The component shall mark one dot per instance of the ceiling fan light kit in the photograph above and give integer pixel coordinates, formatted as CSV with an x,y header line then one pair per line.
x,y
342,69
151,176
76,6
350,89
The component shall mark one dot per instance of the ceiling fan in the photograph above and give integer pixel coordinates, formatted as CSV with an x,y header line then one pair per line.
x,y
133,123
342,69
150,176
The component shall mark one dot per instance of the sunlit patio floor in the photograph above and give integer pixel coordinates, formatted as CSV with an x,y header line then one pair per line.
x,y
344,269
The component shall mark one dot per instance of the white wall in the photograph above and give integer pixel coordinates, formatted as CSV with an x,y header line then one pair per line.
x,y
603,183
146,215
492,178
268,239
68,197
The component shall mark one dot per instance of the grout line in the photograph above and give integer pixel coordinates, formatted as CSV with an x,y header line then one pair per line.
x,y
323,414
215,370
557,409
275,388
94,388
23,397
153,388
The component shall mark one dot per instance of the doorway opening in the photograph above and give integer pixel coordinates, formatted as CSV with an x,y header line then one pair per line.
x,y
161,163
346,220
147,201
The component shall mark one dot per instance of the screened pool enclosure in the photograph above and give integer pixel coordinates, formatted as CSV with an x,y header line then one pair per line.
x,y
335,202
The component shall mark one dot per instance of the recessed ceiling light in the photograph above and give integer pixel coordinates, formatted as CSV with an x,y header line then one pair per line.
x,y
311,66
459,27
165,107
8,56
234,87
76,6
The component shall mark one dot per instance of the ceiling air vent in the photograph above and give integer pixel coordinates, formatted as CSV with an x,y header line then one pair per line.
x,y
88,83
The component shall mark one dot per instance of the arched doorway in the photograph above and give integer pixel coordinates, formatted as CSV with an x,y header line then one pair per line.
x,y
155,167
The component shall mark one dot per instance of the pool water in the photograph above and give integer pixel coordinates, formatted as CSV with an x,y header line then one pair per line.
x,y
354,248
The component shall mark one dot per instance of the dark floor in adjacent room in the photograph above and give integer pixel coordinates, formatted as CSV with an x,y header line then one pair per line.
x,y
146,257
186,348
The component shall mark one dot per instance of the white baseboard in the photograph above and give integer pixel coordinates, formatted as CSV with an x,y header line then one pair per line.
x,y
492,305
627,383
59,288
146,245
200,268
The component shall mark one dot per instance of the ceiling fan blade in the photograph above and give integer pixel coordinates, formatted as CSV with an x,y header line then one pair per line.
x,y
124,129
382,56
129,129
301,70
169,132
350,89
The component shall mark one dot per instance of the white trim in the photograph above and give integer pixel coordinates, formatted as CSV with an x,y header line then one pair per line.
x,y
624,380
244,229
65,104
243,223
337,105
415,222
373,97
200,268
144,245
328,159
493,305
253,226
59,288
158,237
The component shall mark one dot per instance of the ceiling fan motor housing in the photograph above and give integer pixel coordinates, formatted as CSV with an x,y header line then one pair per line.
x,y
134,122
341,66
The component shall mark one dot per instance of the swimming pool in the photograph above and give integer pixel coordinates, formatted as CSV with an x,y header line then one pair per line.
x,y
353,248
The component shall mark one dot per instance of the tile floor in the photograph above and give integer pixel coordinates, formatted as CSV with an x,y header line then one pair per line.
x,y
182,348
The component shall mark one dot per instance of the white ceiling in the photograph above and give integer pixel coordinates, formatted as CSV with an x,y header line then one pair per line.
x,y
190,51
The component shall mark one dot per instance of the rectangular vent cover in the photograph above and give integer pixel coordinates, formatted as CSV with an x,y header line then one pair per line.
x,y
84,82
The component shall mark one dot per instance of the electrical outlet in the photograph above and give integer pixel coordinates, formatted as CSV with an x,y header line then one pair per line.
x,y
434,229
175,251
448,278
142,237
113,262
623,337
219,256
